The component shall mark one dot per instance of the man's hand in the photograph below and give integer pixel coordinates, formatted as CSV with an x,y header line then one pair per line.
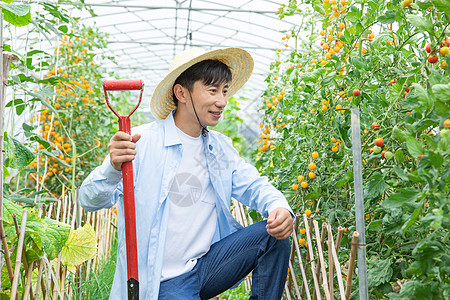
x,y
122,148
280,224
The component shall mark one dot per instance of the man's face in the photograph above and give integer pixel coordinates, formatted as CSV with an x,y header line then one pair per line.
x,y
209,102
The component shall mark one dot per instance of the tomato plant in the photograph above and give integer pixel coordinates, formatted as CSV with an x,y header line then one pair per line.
x,y
370,55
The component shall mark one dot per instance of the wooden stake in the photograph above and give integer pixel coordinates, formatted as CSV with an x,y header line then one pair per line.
x,y
311,255
27,292
292,256
337,266
7,256
294,279
330,264
305,283
18,256
38,282
321,260
353,248
25,263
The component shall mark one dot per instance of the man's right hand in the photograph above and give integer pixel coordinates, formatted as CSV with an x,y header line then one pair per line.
x,y
122,148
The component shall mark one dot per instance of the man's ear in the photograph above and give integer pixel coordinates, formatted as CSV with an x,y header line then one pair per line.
x,y
180,92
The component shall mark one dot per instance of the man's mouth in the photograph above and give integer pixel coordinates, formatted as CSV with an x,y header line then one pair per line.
x,y
216,114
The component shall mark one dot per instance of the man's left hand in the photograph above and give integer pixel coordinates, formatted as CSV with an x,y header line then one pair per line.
x,y
279,223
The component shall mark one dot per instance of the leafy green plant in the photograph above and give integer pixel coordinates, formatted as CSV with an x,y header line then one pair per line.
x,y
374,56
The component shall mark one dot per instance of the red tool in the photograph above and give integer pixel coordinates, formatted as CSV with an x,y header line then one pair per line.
x,y
128,185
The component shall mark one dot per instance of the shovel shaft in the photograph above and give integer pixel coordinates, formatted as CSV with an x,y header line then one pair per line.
x,y
129,208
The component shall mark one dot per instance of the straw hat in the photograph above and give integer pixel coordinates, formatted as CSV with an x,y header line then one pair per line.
x,y
238,60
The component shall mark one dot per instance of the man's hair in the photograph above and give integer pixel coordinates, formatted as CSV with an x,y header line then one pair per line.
x,y
209,72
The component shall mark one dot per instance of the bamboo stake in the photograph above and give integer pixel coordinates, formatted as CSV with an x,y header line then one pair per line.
x,y
7,256
321,260
27,293
305,283
322,241
330,265
237,212
74,215
48,279
339,238
2,123
311,255
64,210
18,256
292,256
57,271
25,263
337,266
50,209
243,212
51,276
43,283
63,283
38,283
286,290
354,247
294,280
307,252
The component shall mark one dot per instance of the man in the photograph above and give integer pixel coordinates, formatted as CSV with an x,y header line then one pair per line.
x,y
189,245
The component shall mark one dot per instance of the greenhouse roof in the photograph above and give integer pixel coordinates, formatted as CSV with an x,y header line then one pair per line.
x,y
144,36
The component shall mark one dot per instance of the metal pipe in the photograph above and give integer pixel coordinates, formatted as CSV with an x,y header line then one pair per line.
x,y
359,204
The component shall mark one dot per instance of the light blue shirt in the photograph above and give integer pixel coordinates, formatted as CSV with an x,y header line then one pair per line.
x,y
159,153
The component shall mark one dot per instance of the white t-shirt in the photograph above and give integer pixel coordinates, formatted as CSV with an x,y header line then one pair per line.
x,y
192,212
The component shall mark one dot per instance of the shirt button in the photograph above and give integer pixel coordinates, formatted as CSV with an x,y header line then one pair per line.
x,y
210,147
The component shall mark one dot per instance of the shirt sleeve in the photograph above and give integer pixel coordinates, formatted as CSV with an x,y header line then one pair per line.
x,y
102,188
254,190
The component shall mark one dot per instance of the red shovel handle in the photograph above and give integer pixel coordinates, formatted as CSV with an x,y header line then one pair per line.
x,y
128,186
123,85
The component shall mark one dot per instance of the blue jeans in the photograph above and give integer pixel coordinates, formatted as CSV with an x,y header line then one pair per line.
x,y
230,260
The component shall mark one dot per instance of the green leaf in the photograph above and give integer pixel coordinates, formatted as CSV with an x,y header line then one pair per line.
x,y
404,196
318,6
81,246
17,15
442,5
313,195
421,95
55,237
328,79
398,134
412,219
420,22
19,156
388,17
5,172
380,272
441,92
376,186
414,147
358,62
375,226
400,173
400,156
312,76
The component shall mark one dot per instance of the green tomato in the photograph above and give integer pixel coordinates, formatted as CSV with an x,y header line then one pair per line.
x,y
377,149
388,155
445,132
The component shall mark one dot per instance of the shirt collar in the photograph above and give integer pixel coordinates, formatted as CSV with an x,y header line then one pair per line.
x,y
171,136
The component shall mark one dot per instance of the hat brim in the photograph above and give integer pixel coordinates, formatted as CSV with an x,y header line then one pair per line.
x,y
238,60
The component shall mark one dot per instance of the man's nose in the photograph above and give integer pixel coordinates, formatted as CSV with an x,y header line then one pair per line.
x,y
221,101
